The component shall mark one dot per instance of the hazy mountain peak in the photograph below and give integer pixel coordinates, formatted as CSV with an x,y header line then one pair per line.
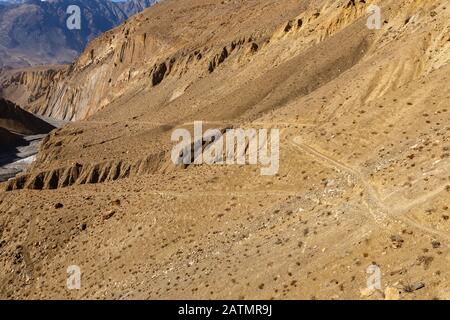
x,y
34,32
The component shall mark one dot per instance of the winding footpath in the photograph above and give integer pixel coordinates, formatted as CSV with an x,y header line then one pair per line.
x,y
379,209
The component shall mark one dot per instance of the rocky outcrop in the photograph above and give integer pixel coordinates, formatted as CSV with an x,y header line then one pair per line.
x,y
78,174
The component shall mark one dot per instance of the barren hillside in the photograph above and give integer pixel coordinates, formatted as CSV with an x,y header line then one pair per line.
x,y
364,157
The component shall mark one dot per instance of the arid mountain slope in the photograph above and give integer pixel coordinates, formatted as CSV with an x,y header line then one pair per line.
x,y
364,157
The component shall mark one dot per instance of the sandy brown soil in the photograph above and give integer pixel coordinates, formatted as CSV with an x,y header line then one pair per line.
x,y
364,158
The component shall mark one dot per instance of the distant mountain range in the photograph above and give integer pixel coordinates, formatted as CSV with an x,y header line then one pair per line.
x,y
34,32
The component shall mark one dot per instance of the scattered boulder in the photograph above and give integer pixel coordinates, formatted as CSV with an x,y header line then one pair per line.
x,y
108,215
397,241
158,74
425,261
59,205
436,244
116,202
